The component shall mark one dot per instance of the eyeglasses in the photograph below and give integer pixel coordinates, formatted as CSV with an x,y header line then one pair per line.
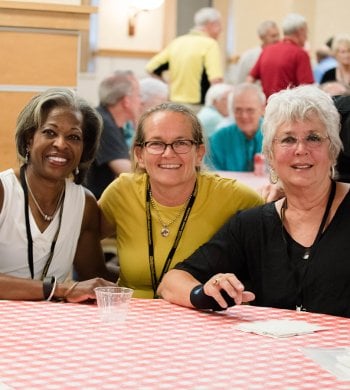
x,y
311,141
180,146
247,111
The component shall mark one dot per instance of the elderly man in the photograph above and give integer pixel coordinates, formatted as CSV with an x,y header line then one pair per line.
x,y
193,60
268,33
119,103
285,64
232,148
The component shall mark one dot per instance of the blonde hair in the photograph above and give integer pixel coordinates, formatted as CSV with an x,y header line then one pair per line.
x,y
139,138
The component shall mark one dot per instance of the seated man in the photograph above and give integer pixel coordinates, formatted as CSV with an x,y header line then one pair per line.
x,y
120,102
232,148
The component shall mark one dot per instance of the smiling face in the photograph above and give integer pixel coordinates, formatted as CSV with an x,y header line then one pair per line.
x,y
169,168
248,109
301,164
56,147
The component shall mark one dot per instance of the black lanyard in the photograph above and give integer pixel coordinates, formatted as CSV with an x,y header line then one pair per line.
x,y
301,279
29,233
170,256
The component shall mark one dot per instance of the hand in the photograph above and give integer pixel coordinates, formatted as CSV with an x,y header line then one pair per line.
x,y
84,290
271,192
231,285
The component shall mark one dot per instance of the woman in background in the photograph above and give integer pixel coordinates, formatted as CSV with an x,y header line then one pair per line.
x,y
341,51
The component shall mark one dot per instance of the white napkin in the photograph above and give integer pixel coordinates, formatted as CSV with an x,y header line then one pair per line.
x,y
334,360
4,387
279,328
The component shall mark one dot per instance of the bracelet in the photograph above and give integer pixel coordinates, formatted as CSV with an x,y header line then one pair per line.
x,y
70,289
202,301
49,287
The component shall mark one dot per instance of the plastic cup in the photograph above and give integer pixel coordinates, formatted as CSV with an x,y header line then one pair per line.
x,y
113,303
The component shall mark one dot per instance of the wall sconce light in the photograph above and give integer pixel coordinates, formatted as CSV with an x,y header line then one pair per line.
x,y
139,6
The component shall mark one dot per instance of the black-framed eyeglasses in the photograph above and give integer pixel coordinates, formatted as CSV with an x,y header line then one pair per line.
x,y
311,141
180,146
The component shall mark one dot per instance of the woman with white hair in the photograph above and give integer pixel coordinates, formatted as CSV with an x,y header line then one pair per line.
x,y
281,254
341,52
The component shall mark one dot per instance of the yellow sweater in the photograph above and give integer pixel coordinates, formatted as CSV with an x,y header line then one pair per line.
x,y
124,203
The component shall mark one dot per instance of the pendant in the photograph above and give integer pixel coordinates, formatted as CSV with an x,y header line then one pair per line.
x,y
165,231
306,255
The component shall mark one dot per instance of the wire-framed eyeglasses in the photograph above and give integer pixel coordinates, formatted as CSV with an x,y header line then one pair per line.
x,y
311,141
180,146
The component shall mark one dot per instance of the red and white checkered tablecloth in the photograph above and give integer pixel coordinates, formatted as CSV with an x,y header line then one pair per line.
x,y
47,345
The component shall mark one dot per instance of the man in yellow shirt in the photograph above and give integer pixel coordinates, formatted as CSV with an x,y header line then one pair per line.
x,y
193,60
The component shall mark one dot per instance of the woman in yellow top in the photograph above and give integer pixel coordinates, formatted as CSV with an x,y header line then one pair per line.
x,y
167,208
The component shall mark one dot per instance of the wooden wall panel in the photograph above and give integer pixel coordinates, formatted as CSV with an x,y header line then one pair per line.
x,y
11,103
35,58
39,48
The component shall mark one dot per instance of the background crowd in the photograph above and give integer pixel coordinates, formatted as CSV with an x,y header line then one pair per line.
x,y
142,166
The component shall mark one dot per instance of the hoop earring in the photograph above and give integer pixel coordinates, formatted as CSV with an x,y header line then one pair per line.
x,y
76,171
273,177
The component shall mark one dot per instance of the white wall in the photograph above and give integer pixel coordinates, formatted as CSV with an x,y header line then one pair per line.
x,y
113,27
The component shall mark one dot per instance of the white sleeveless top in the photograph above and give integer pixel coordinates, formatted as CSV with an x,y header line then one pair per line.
x,y
13,235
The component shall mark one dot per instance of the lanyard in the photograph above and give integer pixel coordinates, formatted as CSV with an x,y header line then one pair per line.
x,y
155,281
29,233
300,280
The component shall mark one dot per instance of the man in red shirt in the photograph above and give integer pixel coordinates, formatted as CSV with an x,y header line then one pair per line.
x,y
285,64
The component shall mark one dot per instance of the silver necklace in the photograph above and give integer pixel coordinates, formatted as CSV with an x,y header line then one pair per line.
x,y
46,217
165,226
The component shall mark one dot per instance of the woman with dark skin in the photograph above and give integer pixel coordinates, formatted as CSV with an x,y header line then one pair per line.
x,y
48,221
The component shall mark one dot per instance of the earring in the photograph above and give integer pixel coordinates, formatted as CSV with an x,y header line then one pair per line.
x,y
76,171
333,172
273,176
26,157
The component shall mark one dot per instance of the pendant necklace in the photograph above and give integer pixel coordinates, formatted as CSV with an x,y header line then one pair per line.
x,y
47,218
165,226
30,256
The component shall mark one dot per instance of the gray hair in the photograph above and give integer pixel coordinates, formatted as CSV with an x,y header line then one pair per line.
x,y
206,15
38,108
151,87
292,23
265,26
217,92
113,88
243,87
300,104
